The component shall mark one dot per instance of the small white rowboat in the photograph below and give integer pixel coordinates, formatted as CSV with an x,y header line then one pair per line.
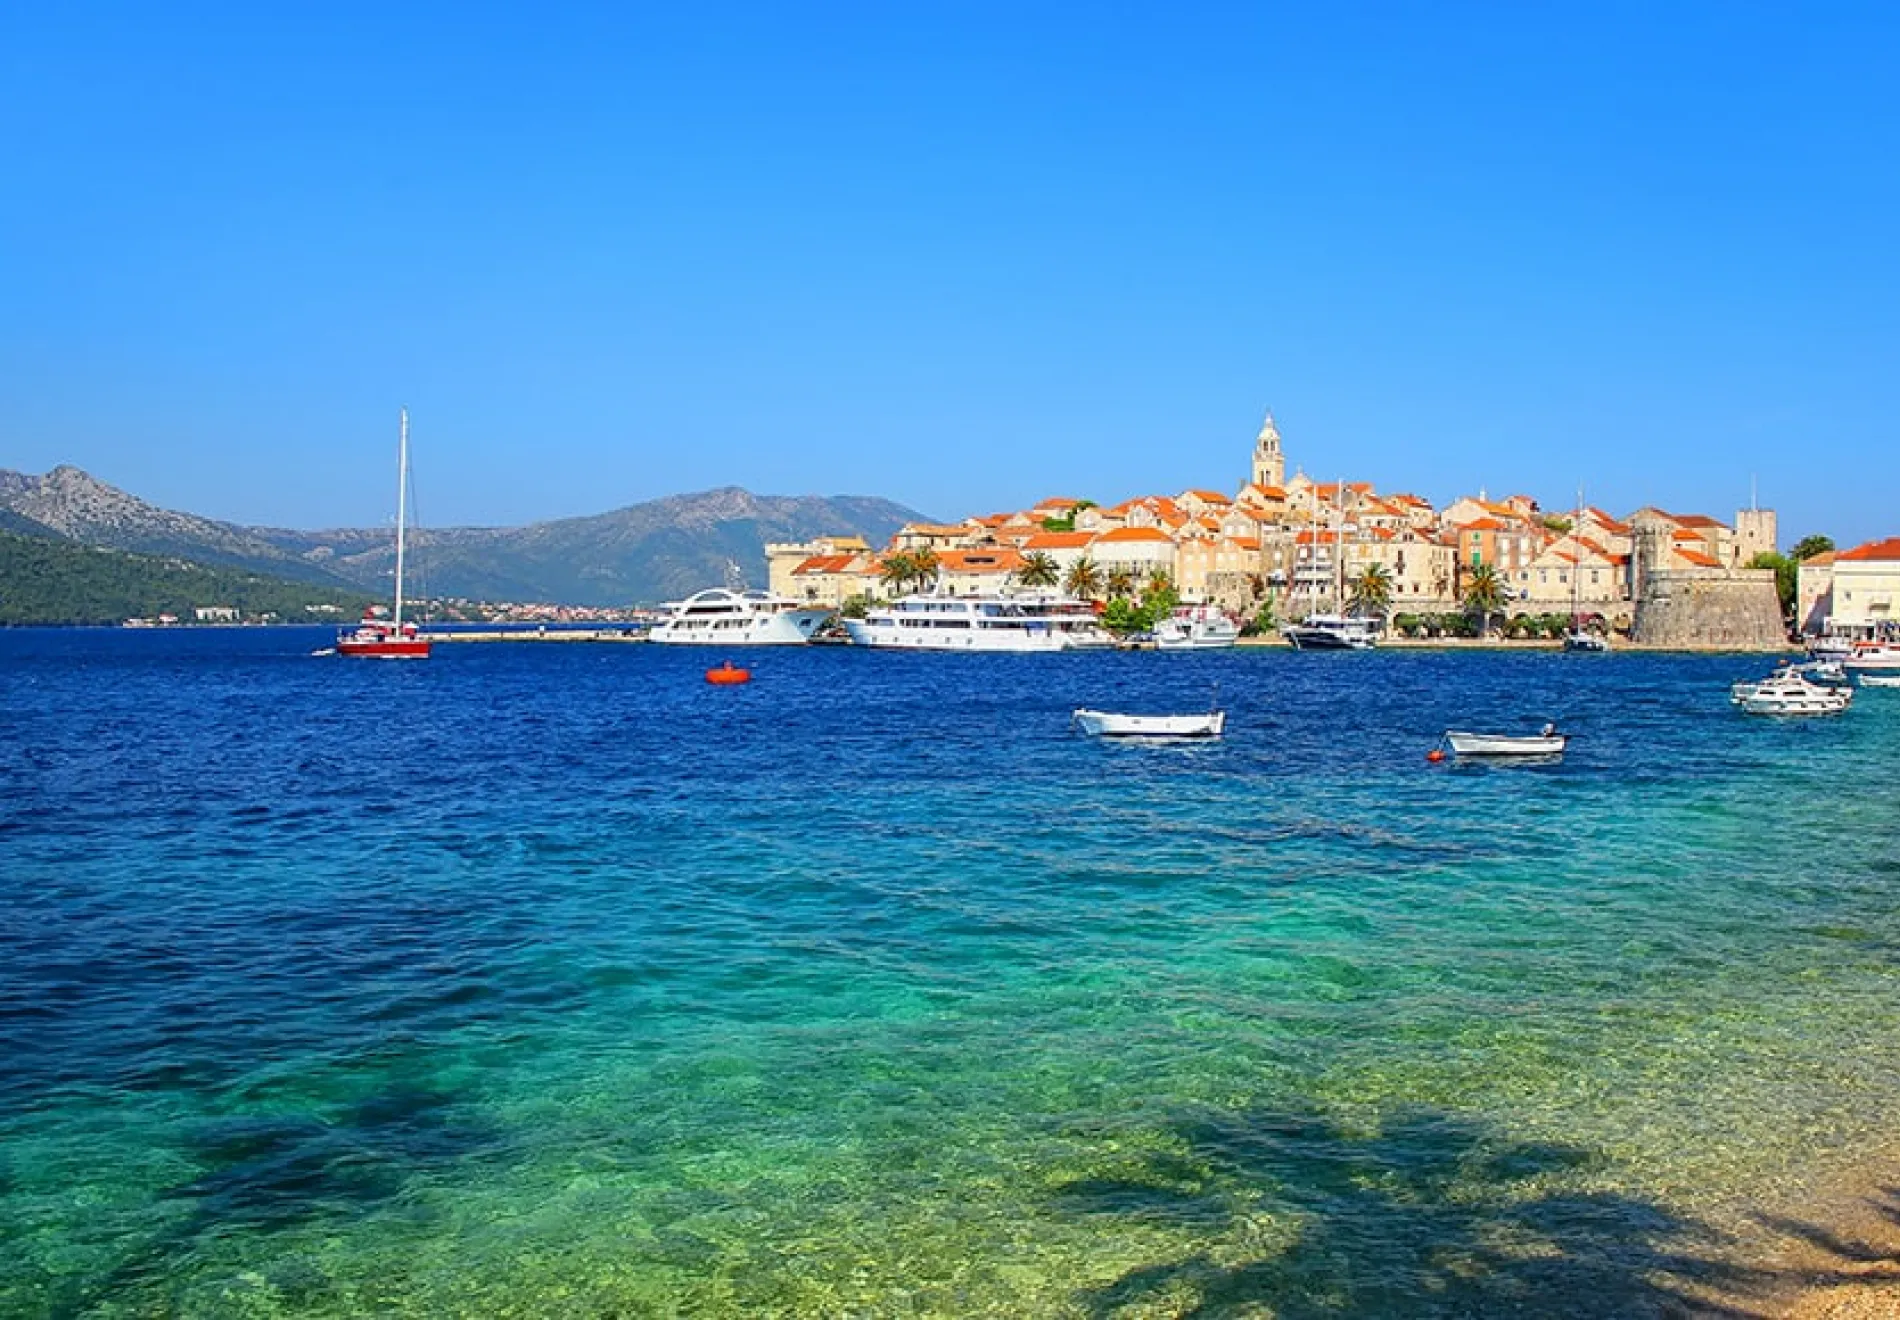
x,y
1549,743
1880,680
1102,724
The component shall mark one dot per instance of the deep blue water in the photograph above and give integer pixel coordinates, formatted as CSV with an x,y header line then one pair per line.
x,y
548,979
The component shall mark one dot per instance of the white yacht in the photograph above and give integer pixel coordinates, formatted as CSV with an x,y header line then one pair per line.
x,y
1333,632
720,616
981,623
1788,692
1196,628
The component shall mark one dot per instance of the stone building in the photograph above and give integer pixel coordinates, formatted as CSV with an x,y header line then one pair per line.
x,y
1700,605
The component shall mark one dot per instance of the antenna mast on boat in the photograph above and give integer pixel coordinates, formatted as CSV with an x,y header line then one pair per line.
x,y
402,491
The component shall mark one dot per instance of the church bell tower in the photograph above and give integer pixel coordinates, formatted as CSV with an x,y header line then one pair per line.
x,y
1269,463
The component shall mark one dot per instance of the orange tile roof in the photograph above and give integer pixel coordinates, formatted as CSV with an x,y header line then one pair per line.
x,y
1211,496
1058,540
1822,560
1699,559
1698,520
1245,542
1270,492
1123,535
979,561
1484,525
1887,549
825,564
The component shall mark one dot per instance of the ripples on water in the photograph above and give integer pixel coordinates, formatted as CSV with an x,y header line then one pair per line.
x,y
545,979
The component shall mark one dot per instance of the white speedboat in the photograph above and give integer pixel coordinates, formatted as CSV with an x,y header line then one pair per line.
x,y
1332,632
1824,673
1547,742
1880,680
1196,628
722,617
981,623
1881,657
1104,724
1789,693
1583,640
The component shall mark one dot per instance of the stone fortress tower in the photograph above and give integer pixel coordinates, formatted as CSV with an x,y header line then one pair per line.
x,y
1728,606
1269,461
1754,535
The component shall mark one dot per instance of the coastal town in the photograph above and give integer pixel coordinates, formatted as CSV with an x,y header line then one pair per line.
x,y
1285,547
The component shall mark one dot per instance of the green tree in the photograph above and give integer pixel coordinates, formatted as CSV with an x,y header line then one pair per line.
x,y
1084,580
897,571
855,607
1158,596
1484,595
1039,570
1124,616
1371,590
923,567
1810,546
1787,577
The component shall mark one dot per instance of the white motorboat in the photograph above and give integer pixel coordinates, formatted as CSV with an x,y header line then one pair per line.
x,y
1880,680
1790,693
981,623
1825,673
720,616
1332,632
1104,724
1546,742
1881,657
1196,628
1583,640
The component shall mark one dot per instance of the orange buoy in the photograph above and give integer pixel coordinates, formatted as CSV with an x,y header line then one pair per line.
x,y
728,674
1436,755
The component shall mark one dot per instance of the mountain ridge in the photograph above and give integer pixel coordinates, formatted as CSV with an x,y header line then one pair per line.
x,y
636,554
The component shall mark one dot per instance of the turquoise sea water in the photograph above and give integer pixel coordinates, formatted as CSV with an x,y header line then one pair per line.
x,y
549,980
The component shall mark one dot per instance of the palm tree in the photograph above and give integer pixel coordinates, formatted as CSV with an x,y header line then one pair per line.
x,y
1372,590
1085,579
1484,595
897,571
1039,570
1120,582
923,568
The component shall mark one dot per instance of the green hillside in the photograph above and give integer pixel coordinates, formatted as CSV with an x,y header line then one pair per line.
x,y
52,581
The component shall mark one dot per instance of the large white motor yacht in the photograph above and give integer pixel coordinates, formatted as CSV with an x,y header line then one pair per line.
x,y
722,617
1333,632
1196,628
981,623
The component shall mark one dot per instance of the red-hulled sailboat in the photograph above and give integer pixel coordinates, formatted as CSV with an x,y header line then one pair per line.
x,y
394,639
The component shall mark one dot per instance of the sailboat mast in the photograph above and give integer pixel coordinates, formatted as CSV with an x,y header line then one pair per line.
x,y
1339,546
1576,566
402,494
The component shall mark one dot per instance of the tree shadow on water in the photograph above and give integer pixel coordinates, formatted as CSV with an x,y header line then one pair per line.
x,y
1858,1254
1431,1215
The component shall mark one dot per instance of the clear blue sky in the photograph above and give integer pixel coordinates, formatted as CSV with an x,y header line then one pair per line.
x,y
964,256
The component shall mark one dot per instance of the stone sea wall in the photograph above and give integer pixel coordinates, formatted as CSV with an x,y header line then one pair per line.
x,y
1697,608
